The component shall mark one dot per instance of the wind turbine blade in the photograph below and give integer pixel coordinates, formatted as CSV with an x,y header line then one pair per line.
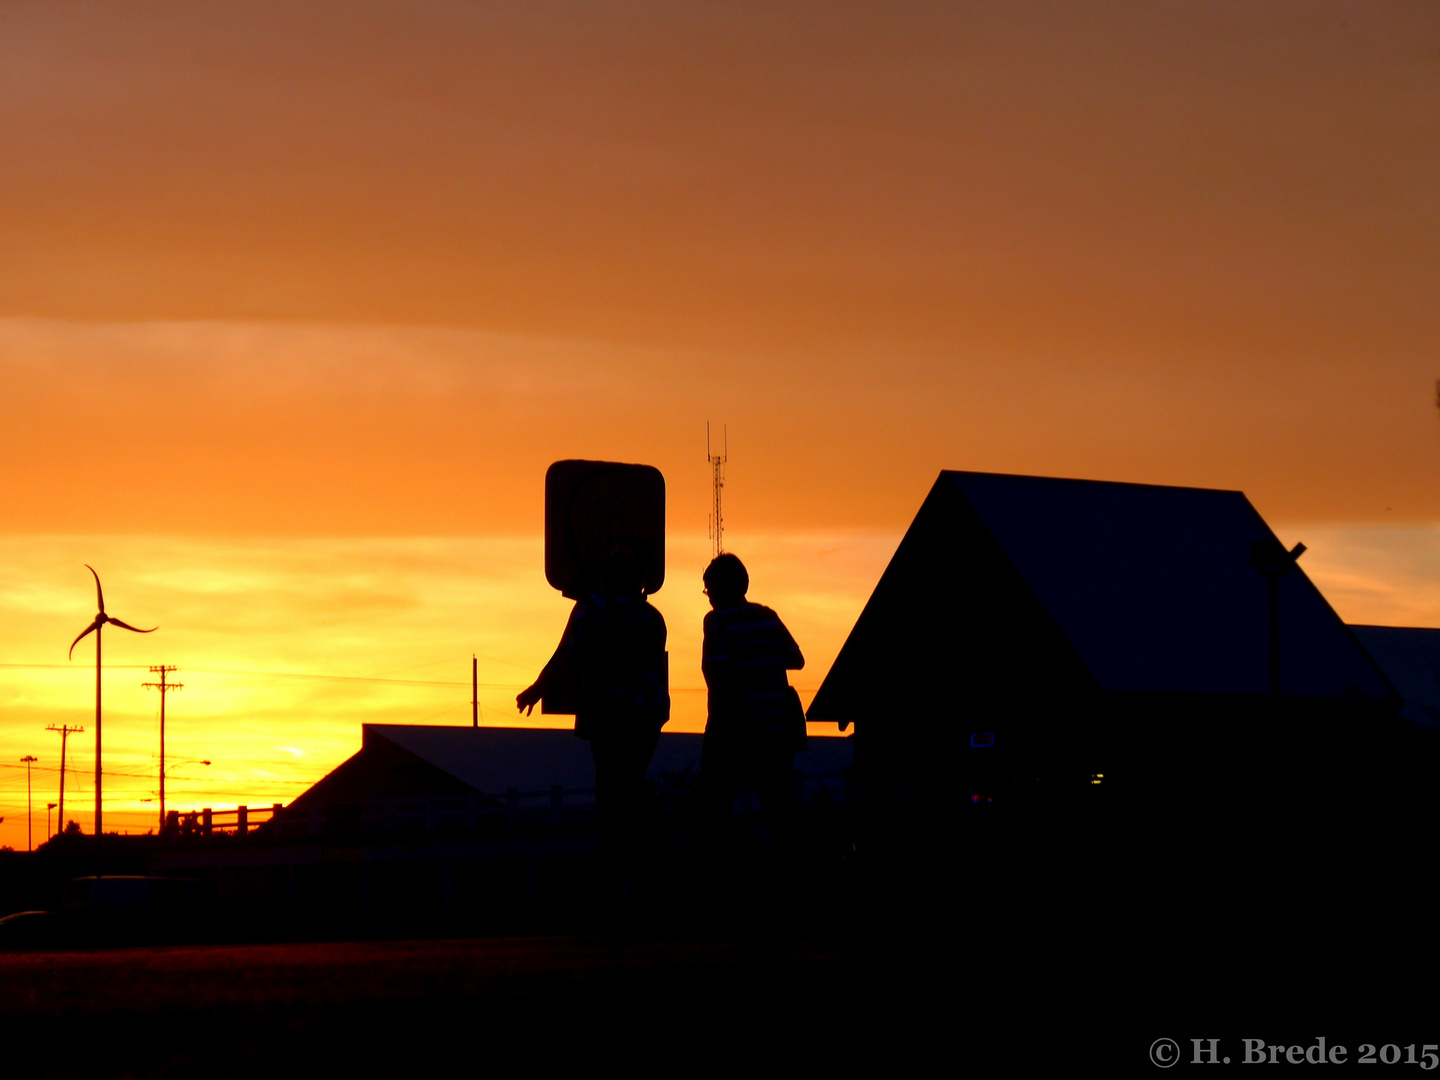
x,y
126,626
99,596
93,626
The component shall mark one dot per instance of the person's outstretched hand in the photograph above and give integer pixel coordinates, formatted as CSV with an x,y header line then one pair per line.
x,y
526,699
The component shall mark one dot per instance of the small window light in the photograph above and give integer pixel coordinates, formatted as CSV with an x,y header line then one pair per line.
x,y
1096,777
982,738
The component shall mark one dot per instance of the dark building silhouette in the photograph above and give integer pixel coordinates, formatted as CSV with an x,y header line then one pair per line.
x,y
463,819
1410,657
408,761
1077,660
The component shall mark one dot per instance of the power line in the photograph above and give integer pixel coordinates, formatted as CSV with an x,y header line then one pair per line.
x,y
138,776
69,667
350,678
285,675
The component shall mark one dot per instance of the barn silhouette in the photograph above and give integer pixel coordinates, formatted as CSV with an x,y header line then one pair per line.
x,y
1089,663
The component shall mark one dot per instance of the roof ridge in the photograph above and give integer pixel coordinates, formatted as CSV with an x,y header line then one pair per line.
x,y
1087,481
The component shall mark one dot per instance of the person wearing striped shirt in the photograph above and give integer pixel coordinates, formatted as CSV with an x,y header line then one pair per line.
x,y
755,724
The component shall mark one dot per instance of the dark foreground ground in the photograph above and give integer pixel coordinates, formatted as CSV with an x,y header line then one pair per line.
x,y
989,978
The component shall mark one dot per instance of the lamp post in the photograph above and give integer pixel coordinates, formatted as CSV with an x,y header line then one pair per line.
x,y
28,759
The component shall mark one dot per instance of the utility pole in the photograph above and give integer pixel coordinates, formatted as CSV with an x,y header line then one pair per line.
x,y
474,691
717,485
48,807
28,759
65,733
164,687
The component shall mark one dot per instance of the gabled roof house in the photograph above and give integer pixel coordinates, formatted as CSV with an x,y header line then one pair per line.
x,y
1036,638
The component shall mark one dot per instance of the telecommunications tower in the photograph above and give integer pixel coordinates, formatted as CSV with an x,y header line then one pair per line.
x,y
717,474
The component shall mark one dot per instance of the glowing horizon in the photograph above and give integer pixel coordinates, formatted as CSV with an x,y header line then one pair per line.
x,y
286,646
274,708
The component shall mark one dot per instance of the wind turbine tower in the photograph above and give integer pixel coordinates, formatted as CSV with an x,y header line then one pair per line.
x,y
97,625
717,474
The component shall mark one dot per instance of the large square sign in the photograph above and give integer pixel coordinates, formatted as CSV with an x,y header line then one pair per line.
x,y
595,507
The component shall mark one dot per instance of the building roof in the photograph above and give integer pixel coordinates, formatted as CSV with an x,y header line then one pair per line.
x,y
492,760
1150,589
1410,657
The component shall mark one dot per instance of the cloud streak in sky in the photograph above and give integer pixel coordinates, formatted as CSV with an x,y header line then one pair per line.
x,y
224,428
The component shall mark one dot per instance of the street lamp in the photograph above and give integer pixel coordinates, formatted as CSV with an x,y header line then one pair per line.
x,y
192,761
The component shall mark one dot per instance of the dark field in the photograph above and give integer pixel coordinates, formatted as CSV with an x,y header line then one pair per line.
x,y
412,1007
1001,984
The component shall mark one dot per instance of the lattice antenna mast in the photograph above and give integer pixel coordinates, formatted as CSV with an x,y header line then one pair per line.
x,y
717,479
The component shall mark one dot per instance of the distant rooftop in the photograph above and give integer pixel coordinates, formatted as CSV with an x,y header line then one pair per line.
x,y
492,760
1410,657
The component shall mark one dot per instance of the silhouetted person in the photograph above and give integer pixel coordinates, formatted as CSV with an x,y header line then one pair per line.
x,y
755,724
612,659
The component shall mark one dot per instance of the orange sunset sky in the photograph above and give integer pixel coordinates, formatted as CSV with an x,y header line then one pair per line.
x,y
298,300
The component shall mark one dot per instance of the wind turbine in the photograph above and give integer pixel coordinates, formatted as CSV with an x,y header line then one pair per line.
x,y
100,620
